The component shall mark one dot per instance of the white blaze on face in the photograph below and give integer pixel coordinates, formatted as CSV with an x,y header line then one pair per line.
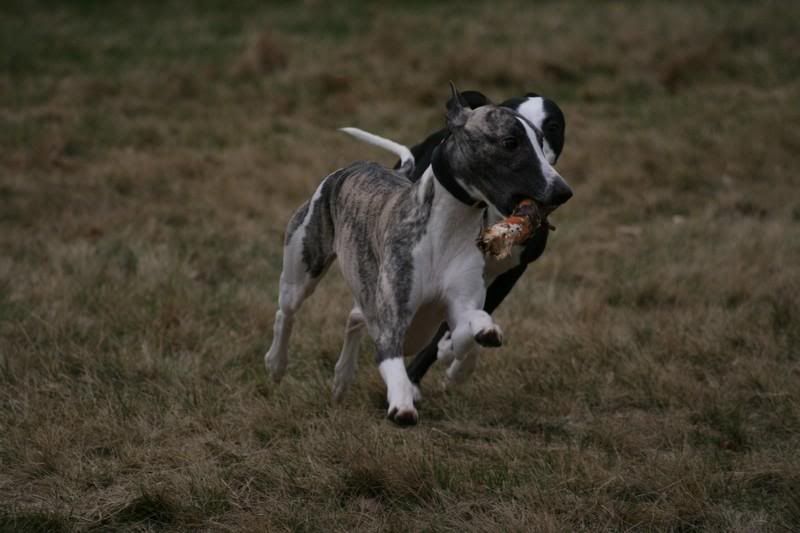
x,y
549,173
533,110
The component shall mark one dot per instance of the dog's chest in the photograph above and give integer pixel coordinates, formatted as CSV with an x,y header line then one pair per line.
x,y
495,267
448,250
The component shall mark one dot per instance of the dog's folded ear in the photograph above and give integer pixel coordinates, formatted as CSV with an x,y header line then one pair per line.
x,y
472,99
457,110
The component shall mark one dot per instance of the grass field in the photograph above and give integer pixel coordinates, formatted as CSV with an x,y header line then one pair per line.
x,y
152,152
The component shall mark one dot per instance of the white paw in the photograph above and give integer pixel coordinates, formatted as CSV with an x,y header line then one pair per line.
x,y
399,391
403,415
490,336
445,352
276,365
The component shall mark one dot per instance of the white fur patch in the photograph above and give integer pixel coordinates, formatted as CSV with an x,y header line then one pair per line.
x,y
551,176
533,110
399,390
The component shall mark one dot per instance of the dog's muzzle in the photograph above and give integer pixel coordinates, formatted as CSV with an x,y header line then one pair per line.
x,y
558,195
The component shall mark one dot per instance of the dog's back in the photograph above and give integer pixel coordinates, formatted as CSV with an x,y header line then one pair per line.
x,y
350,211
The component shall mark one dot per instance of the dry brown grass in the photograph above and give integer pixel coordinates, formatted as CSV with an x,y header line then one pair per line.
x,y
150,155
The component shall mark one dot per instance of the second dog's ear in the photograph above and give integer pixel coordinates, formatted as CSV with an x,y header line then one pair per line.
x,y
472,99
457,111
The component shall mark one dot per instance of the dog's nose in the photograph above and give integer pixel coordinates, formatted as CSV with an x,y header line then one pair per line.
x,y
561,193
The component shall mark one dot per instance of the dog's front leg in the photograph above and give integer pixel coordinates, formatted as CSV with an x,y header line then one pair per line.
x,y
470,326
469,323
399,390
473,327
387,324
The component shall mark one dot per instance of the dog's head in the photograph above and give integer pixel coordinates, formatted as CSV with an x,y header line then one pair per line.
x,y
540,111
495,154
545,115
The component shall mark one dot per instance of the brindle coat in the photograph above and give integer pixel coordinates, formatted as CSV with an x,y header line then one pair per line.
x,y
407,250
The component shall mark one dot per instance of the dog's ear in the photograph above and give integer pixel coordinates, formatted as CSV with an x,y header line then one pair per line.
x,y
472,99
457,110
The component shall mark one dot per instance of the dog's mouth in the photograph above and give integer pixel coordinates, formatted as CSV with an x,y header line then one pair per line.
x,y
535,212
527,217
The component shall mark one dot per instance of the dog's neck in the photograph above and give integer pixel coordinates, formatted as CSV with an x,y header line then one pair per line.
x,y
445,176
449,210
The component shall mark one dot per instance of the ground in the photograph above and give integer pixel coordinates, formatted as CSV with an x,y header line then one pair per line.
x,y
151,154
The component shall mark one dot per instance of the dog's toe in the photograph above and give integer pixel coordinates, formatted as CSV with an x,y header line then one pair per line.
x,y
403,416
491,337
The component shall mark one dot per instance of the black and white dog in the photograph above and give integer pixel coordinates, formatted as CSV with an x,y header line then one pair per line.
x,y
407,249
545,115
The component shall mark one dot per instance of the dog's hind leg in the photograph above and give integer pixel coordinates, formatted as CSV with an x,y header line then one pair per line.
x,y
292,294
347,364
307,254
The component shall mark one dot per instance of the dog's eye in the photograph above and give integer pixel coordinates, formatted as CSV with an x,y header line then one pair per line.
x,y
509,143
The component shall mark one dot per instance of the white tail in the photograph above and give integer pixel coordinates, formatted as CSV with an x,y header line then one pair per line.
x,y
401,151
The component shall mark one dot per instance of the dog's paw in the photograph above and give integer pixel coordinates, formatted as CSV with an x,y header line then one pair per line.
x,y
490,337
445,351
276,365
405,415
339,389
343,379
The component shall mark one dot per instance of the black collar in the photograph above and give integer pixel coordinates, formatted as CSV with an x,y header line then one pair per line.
x,y
443,173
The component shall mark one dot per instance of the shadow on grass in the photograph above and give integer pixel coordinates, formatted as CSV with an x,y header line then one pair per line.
x,y
33,521
151,510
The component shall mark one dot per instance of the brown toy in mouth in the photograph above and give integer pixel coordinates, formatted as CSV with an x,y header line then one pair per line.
x,y
498,239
